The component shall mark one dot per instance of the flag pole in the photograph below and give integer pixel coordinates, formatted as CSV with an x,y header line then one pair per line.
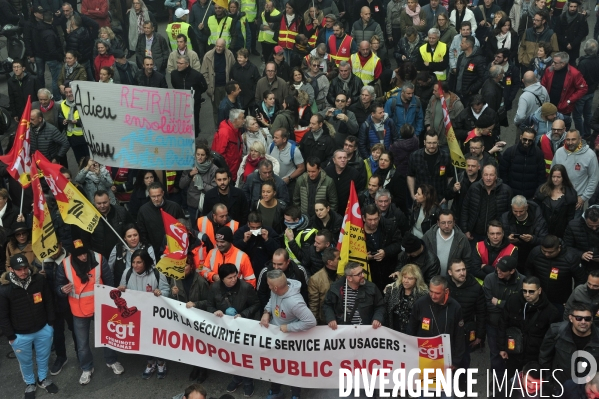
x,y
22,196
117,234
345,309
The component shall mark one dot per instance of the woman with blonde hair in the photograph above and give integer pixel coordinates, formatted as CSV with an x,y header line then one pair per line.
x,y
401,295
106,33
250,162
253,132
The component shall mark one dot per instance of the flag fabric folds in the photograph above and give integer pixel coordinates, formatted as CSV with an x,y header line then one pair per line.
x,y
457,157
18,160
44,242
72,204
222,3
177,241
352,241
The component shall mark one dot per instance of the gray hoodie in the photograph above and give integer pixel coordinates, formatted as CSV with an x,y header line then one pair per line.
x,y
528,103
146,282
582,169
290,309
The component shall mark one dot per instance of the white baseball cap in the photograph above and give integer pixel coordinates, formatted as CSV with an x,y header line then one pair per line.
x,y
179,12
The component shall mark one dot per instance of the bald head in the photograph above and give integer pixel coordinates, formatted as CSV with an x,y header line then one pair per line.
x,y
365,14
529,78
364,48
558,127
220,46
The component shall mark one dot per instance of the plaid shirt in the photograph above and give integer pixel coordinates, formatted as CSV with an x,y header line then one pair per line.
x,y
418,168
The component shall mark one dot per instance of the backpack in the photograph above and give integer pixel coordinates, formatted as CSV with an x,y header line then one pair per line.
x,y
394,105
219,160
293,146
130,272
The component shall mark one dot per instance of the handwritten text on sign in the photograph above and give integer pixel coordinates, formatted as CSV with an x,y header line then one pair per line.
x,y
137,127
138,322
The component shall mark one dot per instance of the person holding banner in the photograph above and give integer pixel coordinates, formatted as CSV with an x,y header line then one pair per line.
x,y
400,296
120,256
144,276
69,122
233,297
287,310
76,279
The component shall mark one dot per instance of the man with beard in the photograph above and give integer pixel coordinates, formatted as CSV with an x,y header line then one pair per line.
x,y
458,190
571,28
532,314
522,166
511,75
489,252
76,279
447,242
227,194
588,294
551,141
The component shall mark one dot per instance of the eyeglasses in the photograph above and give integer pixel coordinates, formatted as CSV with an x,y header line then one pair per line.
x,y
527,140
357,274
529,292
558,130
581,318
339,100
20,233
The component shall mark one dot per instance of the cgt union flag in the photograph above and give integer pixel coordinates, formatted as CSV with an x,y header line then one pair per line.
x,y
44,243
72,205
457,157
352,242
18,159
177,242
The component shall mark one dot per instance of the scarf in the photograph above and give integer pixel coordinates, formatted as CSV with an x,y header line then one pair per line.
x,y
69,69
570,17
82,268
345,82
317,134
297,86
18,282
71,116
293,226
387,174
414,14
202,168
374,165
48,108
140,22
506,39
532,9
250,166
575,150
269,111
289,18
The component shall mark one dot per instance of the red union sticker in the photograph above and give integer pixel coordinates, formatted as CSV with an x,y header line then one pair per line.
x,y
119,332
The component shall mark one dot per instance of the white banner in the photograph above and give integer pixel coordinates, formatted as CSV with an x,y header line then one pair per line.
x,y
136,127
310,359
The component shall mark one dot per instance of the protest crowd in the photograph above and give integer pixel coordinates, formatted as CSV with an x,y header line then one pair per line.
x,y
397,106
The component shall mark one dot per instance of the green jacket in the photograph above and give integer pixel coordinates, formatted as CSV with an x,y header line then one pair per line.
x,y
325,189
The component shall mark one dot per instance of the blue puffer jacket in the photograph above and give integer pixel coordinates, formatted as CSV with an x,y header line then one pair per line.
x,y
543,126
413,116
367,136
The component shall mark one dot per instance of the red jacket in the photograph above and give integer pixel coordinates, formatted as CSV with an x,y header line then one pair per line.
x,y
106,60
575,87
96,10
228,142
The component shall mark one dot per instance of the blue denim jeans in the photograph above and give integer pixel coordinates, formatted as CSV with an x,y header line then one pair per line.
x,y
584,110
55,67
23,347
84,352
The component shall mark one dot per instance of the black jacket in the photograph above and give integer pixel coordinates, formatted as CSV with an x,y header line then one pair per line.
x,y
259,251
334,225
535,225
465,122
471,206
403,48
474,75
241,296
103,239
532,320
471,298
189,79
19,312
580,238
389,241
523,169
355,86
558,346
588,65
429,221
46,43
572,33
323,149
460,246
557,218
495,287
294,272
370,302
476,269
150,225
80,40
458,197
426,261
161,49
247,76
198,291
556,274
443,169
492,92
442,319
342,184
156,80
237,205
19,90
49,141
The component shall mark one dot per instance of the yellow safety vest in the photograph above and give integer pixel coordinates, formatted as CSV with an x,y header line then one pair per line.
x,y
299,239
250,9
243,23
218,31
440,52
267,36
177,28
366,72
74,131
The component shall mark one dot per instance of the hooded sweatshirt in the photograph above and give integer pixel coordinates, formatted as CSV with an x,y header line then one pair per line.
x,y
290,309
146,282
528,103
581,165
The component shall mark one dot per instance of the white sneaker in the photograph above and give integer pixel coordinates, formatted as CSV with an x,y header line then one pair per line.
x,y
86,377
117,368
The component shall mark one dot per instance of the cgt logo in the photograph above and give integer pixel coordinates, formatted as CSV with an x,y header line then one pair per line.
x,y
119,332
583,367
431,348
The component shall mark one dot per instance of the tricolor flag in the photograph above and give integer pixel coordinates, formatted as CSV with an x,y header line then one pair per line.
x,y
457,157
44,242
352,241
18,159
177,241
72,204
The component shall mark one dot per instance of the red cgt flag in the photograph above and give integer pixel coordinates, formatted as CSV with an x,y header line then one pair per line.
x,y
18,159
177,240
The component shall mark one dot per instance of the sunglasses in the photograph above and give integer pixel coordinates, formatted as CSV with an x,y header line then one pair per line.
x,y
581,318
529,292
